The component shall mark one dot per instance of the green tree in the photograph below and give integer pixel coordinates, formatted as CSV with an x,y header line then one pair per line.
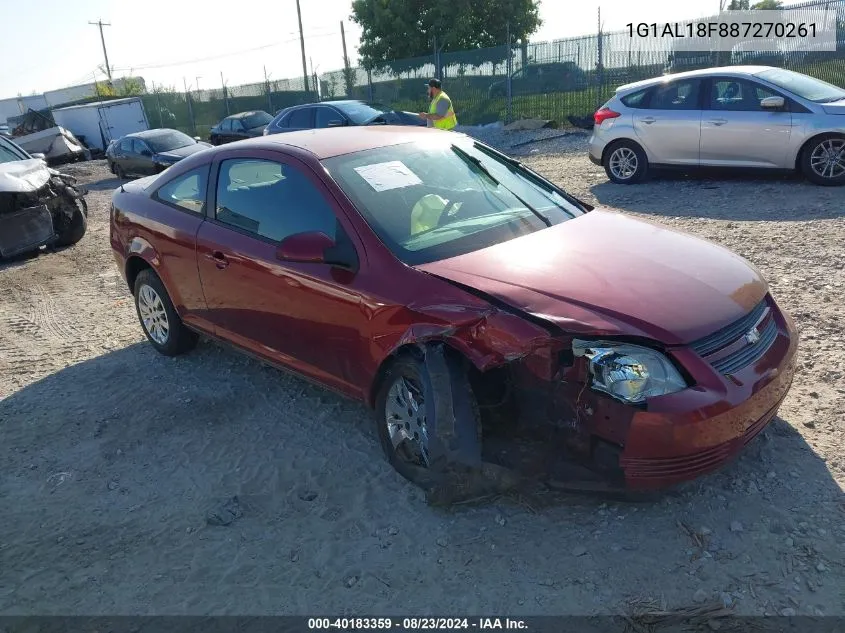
x,y
768,5
400,29
739,5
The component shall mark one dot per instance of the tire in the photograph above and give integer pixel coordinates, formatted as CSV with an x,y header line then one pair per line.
x,y
73,229
118,171
615,157
406,458
111,168
813,160
165,332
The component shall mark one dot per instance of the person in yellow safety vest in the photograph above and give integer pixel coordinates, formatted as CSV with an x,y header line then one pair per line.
x,y
441,113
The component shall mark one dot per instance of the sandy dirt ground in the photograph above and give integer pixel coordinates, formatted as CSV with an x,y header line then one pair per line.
x,y
114,456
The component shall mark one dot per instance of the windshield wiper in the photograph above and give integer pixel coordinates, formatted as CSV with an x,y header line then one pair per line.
x,y
480,166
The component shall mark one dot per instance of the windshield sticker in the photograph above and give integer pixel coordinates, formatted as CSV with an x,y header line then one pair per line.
x,y
391,175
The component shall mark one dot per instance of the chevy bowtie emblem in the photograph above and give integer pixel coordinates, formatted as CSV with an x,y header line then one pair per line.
x,y
752,336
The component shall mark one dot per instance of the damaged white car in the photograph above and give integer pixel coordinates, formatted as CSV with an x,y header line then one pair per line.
x,y
38,206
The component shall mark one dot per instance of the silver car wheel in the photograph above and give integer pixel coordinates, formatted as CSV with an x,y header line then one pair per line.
x,y
153,315
623,163
405,418
828,158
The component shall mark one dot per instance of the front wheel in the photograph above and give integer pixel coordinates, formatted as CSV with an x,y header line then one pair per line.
x,y
625,162
161,323
823,161
414,404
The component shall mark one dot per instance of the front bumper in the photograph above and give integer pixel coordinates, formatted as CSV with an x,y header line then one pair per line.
x,y
670,446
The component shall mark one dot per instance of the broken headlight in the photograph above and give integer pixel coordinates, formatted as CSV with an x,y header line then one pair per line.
x,y
630,373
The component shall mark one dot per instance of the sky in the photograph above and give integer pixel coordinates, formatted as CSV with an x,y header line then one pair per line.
x,y
48,44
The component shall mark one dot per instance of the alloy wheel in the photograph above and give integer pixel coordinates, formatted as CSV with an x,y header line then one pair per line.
x,y
405,418
623,163
828,158
153,315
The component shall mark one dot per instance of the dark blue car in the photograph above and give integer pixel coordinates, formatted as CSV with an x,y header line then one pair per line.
x,y
338,114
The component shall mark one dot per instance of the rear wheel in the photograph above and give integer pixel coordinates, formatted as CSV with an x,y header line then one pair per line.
x,y
118,170
161,324
823,160
625,162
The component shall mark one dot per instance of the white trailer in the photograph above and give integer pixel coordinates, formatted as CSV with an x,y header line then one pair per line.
x,y
98,123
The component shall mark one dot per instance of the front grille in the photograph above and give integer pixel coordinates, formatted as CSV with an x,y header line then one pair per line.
x,y
750,353
733,335
727,335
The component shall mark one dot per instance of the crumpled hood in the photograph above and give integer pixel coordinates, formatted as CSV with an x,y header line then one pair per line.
x,y
24,176
605,273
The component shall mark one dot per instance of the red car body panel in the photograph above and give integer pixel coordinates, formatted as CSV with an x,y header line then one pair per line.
x,y
518,304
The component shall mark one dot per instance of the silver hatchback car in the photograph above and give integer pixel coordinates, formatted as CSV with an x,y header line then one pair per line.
x,y
737,116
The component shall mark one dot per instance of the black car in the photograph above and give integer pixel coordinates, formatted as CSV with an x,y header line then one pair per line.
x,y
542,79
339,114
240,126
38,206
150,152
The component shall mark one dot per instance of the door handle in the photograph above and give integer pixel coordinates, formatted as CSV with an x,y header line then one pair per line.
x,y
218,258
718,121
648,120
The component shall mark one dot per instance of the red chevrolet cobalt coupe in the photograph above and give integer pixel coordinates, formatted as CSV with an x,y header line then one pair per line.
x,y
465,298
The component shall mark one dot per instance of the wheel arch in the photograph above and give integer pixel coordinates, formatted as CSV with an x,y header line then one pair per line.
x,y
799,156
415,349
622,139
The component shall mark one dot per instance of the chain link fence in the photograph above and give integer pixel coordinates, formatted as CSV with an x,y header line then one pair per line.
x,y
553,80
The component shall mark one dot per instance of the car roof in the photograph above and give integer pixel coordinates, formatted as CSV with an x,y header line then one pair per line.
x,y
730,71
151,133
329,142
243,115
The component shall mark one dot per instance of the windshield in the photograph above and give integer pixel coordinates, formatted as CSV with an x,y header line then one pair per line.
x,y
256,119
804,86
435,199
9,153
360,112
167,141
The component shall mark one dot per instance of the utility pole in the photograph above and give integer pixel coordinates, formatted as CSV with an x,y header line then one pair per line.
x,y
101,24
347,76
302,46
190,106
225,92
267,88
509,70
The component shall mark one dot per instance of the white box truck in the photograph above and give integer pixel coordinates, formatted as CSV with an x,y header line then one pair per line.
x,y
98,123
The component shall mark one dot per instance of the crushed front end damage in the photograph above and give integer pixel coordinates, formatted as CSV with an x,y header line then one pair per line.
x,y
538,418
546,413
38,207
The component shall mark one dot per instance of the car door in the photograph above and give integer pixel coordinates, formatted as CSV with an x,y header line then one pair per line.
x,y
305,316
238,130
669,126
223,131
123,153
737,131
142,158
325,116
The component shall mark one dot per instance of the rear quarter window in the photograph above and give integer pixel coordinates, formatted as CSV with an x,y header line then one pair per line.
x,y
636,99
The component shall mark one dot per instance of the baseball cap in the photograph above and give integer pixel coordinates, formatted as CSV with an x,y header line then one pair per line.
x,y
433,83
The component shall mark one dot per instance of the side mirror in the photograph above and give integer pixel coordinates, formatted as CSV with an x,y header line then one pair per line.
x,y
39,156
335,123
772,103
307,248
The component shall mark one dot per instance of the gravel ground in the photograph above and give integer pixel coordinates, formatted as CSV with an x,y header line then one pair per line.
x,y
120,464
